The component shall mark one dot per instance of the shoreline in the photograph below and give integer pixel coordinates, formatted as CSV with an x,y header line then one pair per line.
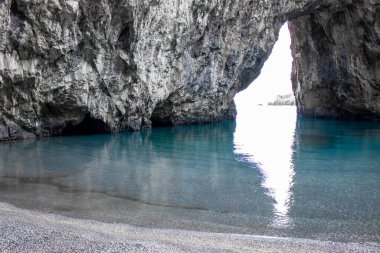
x,y
32,231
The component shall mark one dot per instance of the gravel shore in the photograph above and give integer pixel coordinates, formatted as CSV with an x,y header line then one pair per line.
x,y
30,231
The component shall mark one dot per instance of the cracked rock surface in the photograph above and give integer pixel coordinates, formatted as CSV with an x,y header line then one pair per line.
x,y
80,66
336,66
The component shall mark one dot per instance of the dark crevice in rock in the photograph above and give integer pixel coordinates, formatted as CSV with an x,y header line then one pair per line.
x,y
15,11
88,125
125,61
161,114
126,37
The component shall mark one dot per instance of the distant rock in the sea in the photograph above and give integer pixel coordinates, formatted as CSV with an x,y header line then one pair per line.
x,y
287,99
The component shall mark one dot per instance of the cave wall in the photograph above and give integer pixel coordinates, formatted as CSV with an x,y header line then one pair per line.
x,y
336,60
119,65
124,63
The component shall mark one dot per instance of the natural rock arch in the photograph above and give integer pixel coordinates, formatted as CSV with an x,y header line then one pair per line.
x,y
125,63
336,66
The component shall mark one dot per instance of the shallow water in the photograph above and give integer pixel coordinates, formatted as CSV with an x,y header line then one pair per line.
x,y
268,173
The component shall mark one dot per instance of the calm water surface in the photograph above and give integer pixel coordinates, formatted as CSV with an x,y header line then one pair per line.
x,y
268,173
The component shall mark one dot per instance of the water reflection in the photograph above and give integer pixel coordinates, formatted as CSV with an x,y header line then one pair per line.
x,y
190,167
270,148
260,176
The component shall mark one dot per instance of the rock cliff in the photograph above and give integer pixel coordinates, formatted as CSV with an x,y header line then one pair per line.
x,y
80,66
336,60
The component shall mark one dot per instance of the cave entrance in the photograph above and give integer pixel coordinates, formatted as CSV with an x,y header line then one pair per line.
x,y
274,80
87,126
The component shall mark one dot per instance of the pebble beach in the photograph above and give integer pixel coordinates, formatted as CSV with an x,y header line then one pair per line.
x,y
30,231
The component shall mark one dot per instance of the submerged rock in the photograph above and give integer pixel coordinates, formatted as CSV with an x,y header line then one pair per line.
x,y
78,66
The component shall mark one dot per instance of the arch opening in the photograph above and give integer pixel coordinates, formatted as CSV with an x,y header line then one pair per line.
x,y
257,137
273,86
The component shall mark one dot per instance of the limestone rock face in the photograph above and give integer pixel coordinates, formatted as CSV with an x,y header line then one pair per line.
x,y
336,60
81,66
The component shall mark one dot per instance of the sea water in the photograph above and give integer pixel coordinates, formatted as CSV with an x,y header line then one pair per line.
x,y
267,173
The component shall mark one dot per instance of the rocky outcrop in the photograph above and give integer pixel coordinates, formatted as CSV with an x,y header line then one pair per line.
x,y
336,67
287,99
75,66
80,66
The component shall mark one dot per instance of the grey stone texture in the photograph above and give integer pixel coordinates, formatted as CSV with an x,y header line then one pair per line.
x,y
336,60
80,66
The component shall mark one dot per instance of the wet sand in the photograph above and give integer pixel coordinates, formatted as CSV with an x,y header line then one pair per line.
x,y
30,231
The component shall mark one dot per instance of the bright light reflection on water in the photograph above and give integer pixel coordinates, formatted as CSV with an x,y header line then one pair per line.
x,y
270,148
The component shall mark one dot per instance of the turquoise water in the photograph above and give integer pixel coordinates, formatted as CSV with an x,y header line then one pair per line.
x,y
268,173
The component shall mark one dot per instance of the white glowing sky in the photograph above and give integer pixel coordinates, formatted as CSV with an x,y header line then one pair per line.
x,y
275,76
